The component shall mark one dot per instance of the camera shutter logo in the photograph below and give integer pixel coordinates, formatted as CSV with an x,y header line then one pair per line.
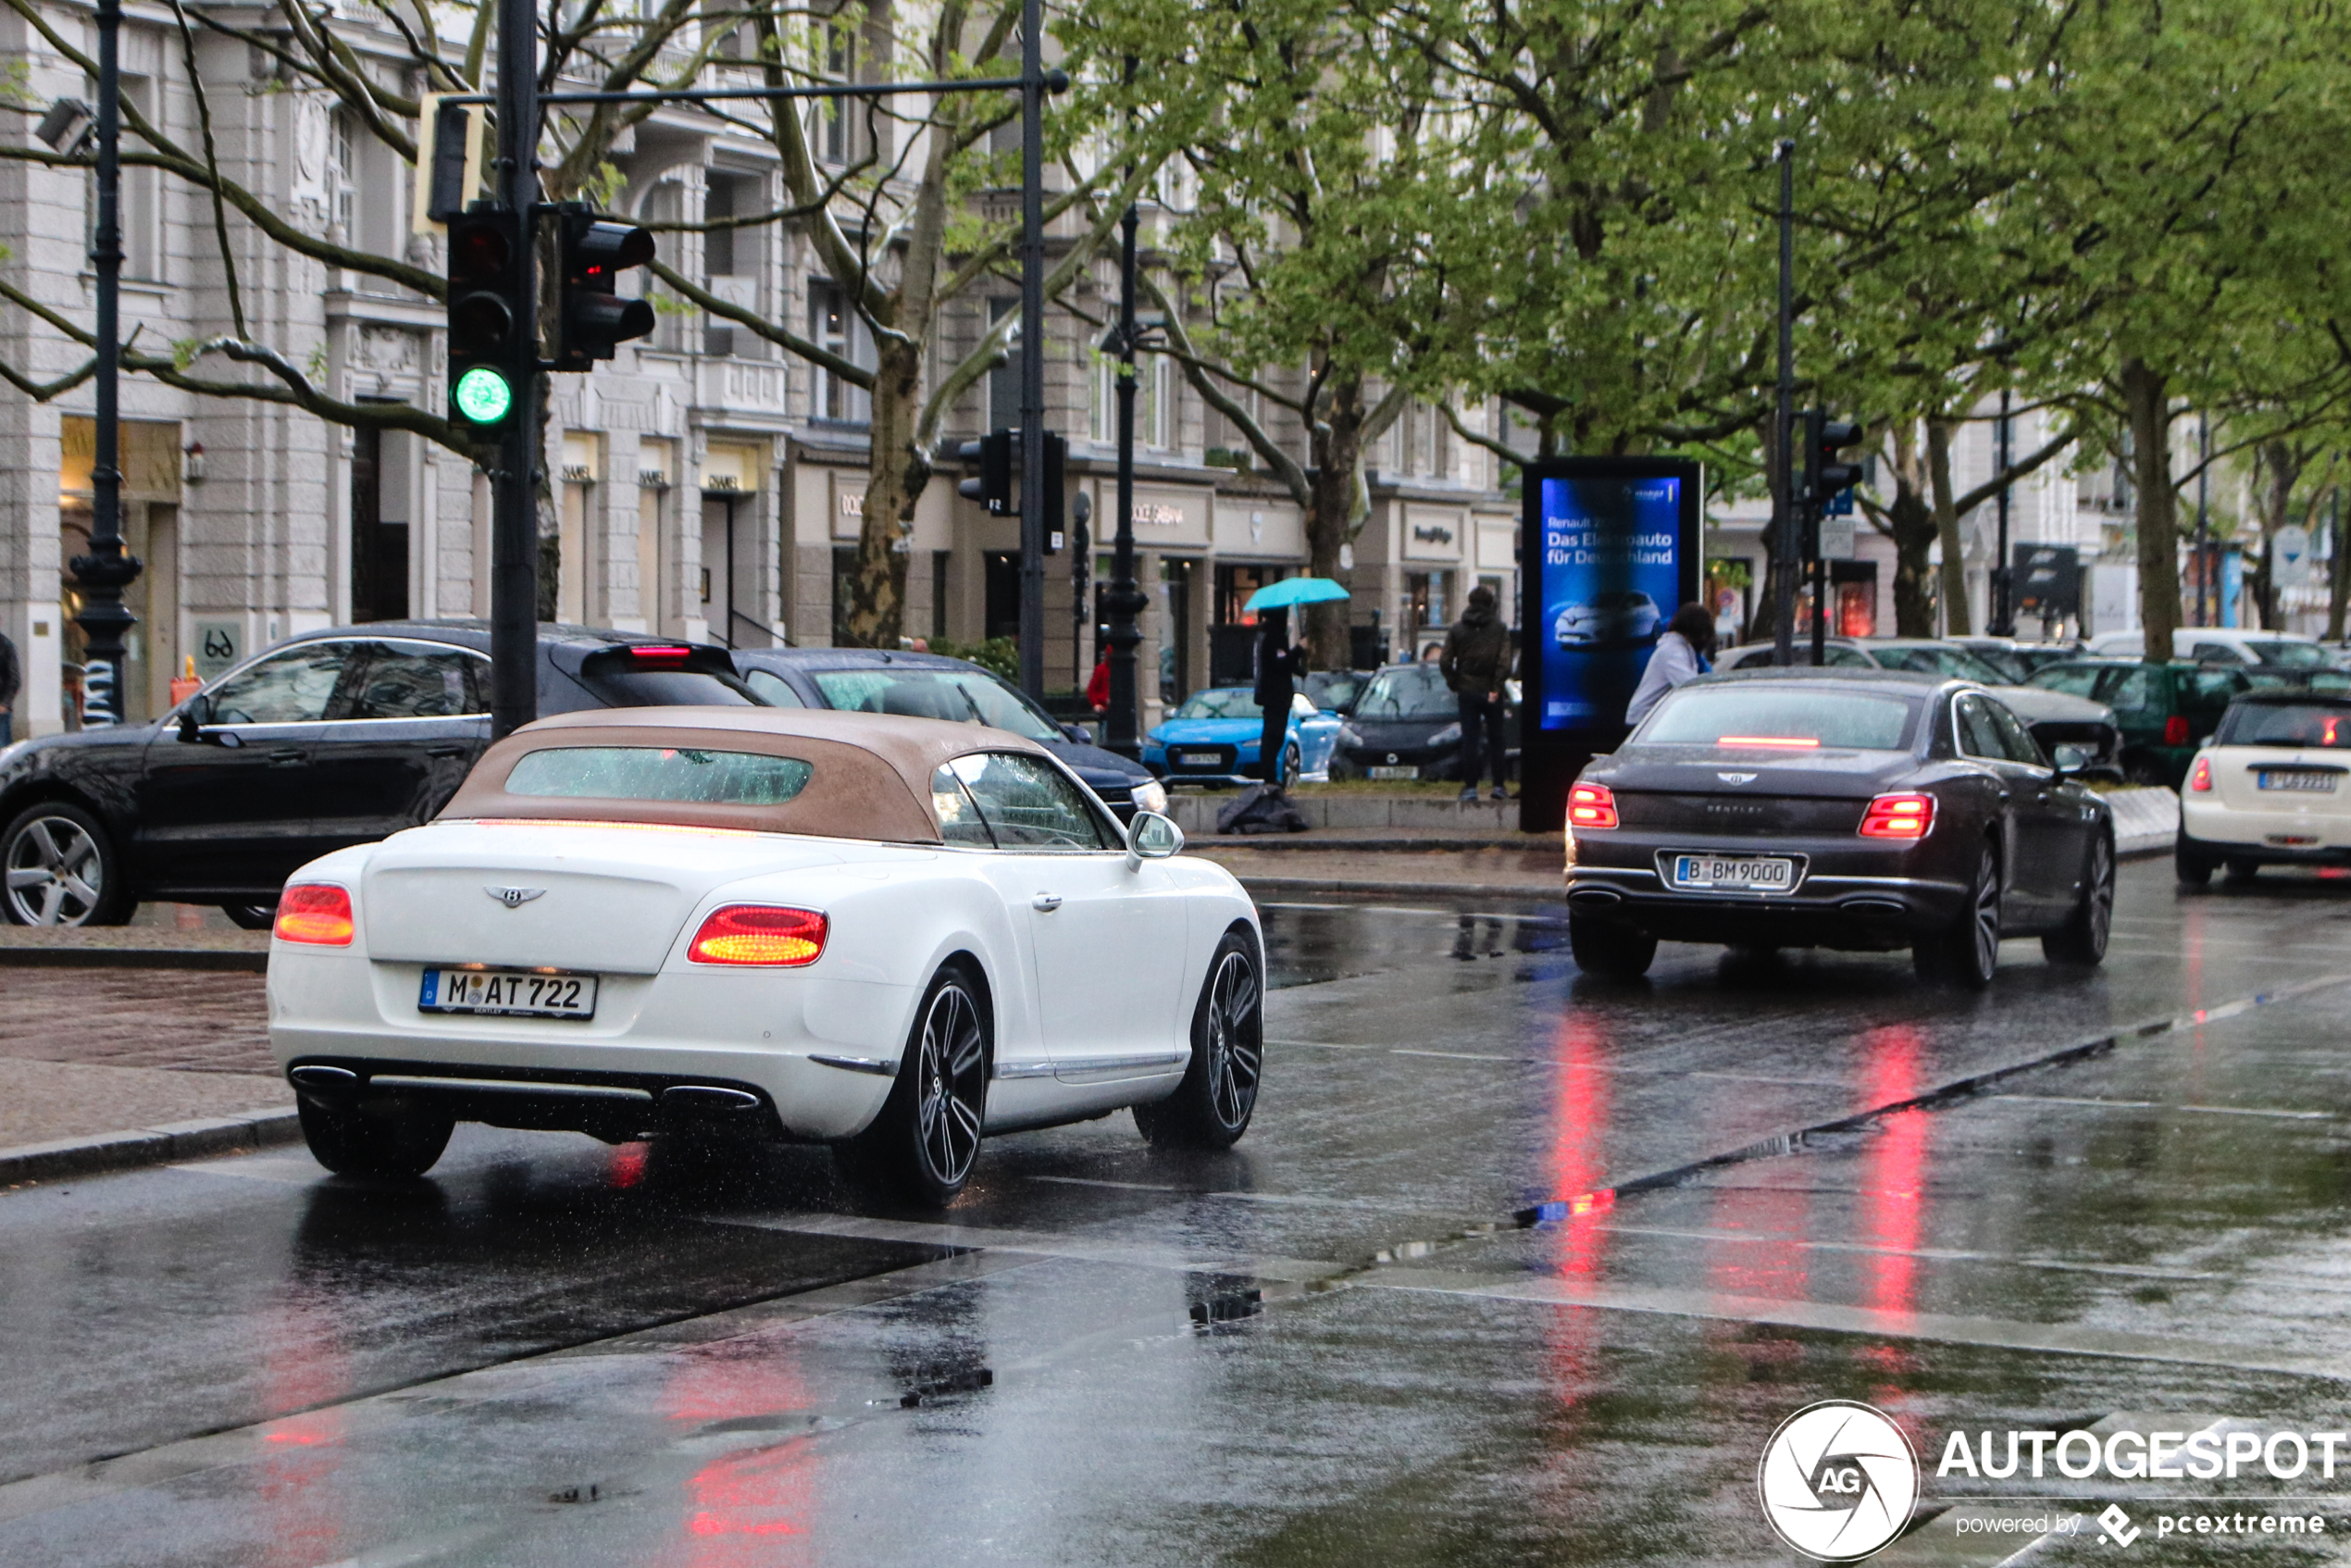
x,y
1838,1481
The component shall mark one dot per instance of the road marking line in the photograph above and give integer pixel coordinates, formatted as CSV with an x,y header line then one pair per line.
x,y
1941,1327
1038,1243
2162,1105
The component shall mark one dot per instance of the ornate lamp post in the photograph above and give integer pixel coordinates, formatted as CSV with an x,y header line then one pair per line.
x,y
1122,726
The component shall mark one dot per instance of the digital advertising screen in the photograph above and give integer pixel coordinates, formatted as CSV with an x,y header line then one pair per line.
x,y
1615,556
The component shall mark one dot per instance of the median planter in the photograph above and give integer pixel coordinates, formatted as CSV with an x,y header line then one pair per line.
x,y
1196,813
2146,818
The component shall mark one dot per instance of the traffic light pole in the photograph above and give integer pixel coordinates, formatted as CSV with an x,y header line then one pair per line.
x,y
514,519
1785,561
1032,349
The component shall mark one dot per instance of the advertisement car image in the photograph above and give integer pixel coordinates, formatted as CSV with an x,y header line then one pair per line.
x,y
1612,617
1611,555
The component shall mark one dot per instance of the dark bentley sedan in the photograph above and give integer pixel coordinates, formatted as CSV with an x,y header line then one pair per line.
x,y
1857,809
333,738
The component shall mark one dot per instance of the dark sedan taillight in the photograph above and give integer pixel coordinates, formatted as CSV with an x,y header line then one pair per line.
x,y
1898,816
2175,730
1591,805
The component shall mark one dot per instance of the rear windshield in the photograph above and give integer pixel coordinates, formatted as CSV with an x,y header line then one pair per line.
x,y
1417,692
669,688
1742,717
2314,725
658,773
959,696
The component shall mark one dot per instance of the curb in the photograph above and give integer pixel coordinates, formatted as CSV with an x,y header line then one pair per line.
x,y
1292,884
147,1146
216,959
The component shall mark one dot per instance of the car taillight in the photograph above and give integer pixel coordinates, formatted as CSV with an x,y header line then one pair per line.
x,y
659,656
2200,777
1898,816
1591,805
2175,730
318,913
756,933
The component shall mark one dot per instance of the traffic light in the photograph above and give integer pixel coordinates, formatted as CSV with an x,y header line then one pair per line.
x,y
993,488
487,315
1825,475
594,319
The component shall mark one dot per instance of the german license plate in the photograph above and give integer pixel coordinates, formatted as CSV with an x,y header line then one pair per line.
x,y
1748,874
1200,759
508,993
2294,779
1393,772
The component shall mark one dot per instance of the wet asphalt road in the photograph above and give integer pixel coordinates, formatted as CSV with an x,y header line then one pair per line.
x,y
1336,1344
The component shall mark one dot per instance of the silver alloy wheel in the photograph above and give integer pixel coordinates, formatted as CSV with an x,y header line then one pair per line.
x,y
951,1085
55,875
1985,918
2101,895
1236,1051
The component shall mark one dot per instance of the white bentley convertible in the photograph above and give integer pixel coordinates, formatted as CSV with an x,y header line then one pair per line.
x,y
893,935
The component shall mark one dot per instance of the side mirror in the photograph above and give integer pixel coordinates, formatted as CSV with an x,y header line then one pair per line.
x,y
194,713
1151,837
2070,760
1078,733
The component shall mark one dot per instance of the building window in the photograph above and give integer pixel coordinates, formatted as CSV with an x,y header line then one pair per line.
x,y
342,170
833,328
832,127
1157,416
1101,399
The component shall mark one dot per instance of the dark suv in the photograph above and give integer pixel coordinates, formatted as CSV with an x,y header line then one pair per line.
x,y
332,738
2164,710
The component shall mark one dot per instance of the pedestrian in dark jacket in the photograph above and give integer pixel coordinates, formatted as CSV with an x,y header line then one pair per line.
x,y
1480,655
1277,670
11,682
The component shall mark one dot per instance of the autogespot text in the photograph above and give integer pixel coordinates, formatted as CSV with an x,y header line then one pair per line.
x,y
2135,1456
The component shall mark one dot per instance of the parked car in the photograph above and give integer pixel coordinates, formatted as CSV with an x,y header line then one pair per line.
x,y
2222,644
1407,725
1610,619
1335,691
2268,788
878,681
2018,660
1213,735
896,936
2055,719
1853,809
336,736
2164,710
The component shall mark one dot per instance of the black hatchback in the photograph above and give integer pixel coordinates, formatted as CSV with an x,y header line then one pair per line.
x,y
333,738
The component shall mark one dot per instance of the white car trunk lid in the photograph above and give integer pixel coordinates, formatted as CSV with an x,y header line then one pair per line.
x,y
603,900
2310,782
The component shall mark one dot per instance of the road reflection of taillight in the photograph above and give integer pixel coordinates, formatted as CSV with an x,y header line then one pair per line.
x,y
1591,805
750,933
315,911
2200,777
1898,816
2175,730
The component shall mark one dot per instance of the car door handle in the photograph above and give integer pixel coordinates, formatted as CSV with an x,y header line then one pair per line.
x,y
448,749
285,754
1045,903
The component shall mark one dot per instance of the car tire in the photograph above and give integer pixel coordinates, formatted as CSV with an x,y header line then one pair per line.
x,y
251,916
1608,951
1967,952
1292,766
1211,1107
2243,870
386,1145
52,851
2084,938
922,1145
2190,864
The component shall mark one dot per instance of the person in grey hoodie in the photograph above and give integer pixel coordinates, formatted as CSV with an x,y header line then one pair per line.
x,y
1480,655
1681,655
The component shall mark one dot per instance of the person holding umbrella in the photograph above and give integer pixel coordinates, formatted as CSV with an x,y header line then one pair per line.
x,y
1278,664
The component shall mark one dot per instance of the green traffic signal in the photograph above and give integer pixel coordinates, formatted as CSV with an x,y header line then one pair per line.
x,y
482,395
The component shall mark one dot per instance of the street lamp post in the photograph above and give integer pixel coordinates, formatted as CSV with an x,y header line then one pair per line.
x,y
107,569
2003,595
2203,524
1122,727
1786,561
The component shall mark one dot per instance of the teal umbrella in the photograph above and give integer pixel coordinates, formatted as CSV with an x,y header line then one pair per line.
x,y
1295,590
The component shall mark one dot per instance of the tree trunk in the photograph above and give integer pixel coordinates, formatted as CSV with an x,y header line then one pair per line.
x,y
899,472
1337,447
1957,618
1910,521
2338,570
2146,403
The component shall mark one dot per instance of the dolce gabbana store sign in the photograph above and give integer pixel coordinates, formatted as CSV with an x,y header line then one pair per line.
x,y
1165,518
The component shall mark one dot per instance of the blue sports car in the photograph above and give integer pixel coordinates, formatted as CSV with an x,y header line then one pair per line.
x,y
1214,734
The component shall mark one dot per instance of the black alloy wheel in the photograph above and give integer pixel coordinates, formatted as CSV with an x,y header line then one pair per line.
x,y
252,916
923,1144
2084,938
2190,864
62,869
1211,1107
1968,951
1292,765
1606,950
387,1145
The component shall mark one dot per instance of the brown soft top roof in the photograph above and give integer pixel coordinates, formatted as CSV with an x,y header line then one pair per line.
x,y
870,779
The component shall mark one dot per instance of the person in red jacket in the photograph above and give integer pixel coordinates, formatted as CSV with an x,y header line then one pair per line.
x,y
1098,684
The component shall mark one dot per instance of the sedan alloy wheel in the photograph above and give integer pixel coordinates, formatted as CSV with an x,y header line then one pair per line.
x,y
58,869
925,1141
1211,1107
